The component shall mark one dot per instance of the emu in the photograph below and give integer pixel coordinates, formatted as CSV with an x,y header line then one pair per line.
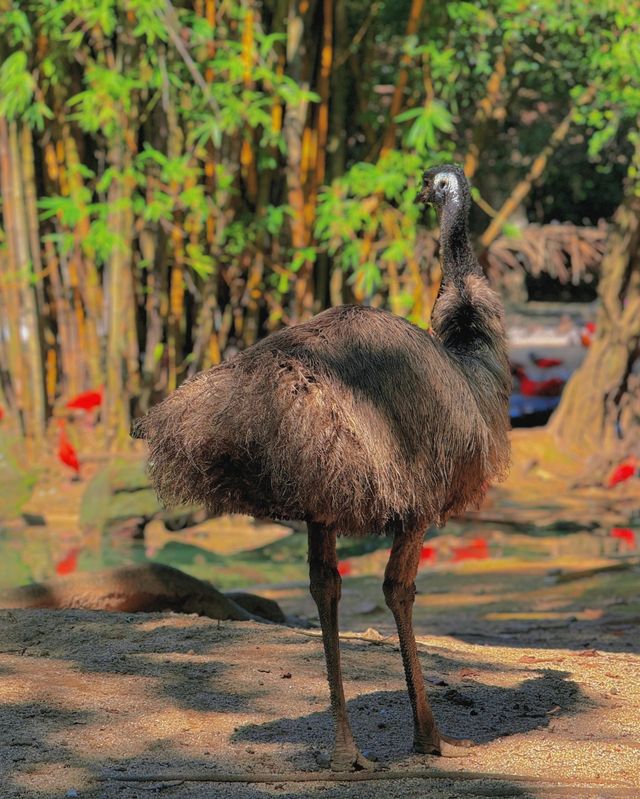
x,y
358,423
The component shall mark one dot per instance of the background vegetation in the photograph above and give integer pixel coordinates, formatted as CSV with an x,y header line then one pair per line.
x,y
179,180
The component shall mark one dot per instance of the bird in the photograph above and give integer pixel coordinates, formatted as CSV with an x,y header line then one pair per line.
x,y
86,401
477,549
623,471
551,387
66,451
69,563
356,422
545,363
587,334
625,535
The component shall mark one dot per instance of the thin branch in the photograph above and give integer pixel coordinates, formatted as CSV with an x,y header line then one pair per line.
x,y
537,168
359,36
170,19
415,14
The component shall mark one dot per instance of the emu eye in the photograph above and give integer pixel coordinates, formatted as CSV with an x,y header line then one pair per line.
x,y
442,184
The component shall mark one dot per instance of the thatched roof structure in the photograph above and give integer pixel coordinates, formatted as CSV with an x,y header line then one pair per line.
x,y
565,252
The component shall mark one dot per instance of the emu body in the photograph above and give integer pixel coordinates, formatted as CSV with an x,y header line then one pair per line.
x,y
358,423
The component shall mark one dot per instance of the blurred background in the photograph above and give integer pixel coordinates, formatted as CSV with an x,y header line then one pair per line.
x,y
178,181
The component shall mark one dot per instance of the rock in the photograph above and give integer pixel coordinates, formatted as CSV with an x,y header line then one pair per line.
x,y
149,588
132,527
222,535
16,481
119,495
258,606
33,519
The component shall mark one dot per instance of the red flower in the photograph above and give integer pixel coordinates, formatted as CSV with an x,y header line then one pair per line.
x,y
344,568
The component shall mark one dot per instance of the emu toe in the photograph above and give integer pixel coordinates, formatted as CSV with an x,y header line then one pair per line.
x,y
351,761
445,746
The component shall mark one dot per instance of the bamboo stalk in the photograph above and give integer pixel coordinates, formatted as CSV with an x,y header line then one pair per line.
x,y
484,112
153,250
324,82
58,315
17,366
337,144
31,214
89,293
415,14
176,308
119,282
299,53
115,386
35,403
64,282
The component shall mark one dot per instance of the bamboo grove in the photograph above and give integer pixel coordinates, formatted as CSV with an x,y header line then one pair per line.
x,y
178,180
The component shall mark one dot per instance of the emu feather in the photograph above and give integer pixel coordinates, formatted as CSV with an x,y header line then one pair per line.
x,y
356,419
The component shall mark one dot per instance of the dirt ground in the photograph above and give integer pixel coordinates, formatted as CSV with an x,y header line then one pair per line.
x,y
533,653
552,698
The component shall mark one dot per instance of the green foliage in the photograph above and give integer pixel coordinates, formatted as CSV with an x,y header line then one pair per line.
x,y
16,86
163,137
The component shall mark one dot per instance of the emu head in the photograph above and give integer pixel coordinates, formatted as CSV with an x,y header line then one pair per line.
x,y
445,186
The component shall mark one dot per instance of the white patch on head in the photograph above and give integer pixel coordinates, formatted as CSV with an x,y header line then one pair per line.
x,y
452,183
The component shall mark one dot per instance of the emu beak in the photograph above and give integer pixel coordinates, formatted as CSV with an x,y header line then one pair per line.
x,y
422,197
439,197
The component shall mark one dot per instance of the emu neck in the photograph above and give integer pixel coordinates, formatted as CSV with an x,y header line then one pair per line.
x,y
467,315
458,258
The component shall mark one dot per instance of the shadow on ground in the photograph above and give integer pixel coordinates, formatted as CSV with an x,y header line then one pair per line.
x,y
85,693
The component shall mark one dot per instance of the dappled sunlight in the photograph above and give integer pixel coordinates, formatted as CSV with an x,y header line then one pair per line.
x,y
182,692
540,615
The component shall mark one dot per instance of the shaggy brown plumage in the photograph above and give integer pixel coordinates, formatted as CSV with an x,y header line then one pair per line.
x,y
356,419
357,422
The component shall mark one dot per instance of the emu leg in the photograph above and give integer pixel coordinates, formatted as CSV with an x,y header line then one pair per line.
x,y
325,583
399,591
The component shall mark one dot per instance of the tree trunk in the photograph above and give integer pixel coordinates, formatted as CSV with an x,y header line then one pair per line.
x,y
600,408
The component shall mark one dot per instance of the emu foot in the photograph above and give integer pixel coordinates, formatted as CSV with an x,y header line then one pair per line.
x,y
351,760
444,746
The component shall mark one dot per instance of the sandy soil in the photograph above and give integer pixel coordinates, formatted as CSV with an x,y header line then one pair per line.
x,y
88,695
543,674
